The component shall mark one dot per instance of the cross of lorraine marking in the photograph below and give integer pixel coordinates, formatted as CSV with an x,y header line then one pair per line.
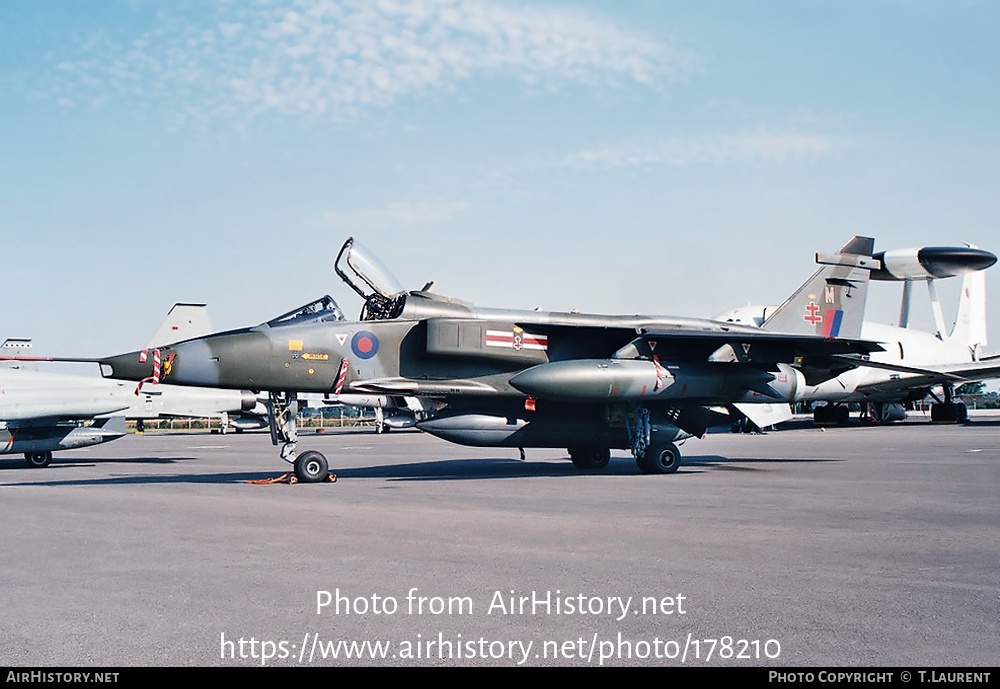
x,y
812,317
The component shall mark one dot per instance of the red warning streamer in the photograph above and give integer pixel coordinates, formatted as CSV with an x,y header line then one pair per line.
x,y
659,372
341,377
155,378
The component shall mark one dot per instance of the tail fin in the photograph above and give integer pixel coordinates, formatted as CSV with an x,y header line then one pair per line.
x,y
831,303
16,347
970,323
183,322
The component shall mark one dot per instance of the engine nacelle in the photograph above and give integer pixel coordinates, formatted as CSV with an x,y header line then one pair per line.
x,y
886,412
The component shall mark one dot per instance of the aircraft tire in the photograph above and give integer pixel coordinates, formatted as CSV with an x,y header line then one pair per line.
x,y
590,458
961,412
660,458
311,467
37,460
953,412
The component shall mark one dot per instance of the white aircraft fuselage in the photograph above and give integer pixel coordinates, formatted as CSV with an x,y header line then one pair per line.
x,y
903,346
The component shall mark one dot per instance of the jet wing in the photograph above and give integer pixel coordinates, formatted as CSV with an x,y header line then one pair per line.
x,y
911,376
760,347
749,345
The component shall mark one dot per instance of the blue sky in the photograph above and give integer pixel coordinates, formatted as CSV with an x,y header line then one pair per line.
x,y
644,157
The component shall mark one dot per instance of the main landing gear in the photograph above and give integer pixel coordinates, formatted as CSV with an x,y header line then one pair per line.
x,y
37,460
652,446
590,458
282,411
660,458
949,411
831,413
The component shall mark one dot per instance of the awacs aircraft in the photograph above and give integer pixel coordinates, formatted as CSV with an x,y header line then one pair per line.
x,y
913,362
519,379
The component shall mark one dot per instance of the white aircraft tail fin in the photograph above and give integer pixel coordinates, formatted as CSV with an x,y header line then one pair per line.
x,y
970,323
831,303
183,322
17,347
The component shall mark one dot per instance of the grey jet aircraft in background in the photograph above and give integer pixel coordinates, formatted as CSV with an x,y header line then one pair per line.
x,y
589,383
42,412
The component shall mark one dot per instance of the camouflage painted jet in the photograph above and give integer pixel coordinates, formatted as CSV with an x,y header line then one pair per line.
x,y
492,377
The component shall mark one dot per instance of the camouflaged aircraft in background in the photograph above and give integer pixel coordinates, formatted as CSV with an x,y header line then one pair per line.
x,y
489,377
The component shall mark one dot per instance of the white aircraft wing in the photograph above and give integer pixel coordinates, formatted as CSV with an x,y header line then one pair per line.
x,y
910,376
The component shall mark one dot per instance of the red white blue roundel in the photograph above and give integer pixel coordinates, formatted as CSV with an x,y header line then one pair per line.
x,y
364,345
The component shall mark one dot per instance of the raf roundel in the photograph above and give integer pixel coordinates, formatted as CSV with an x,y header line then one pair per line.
x,y
364,345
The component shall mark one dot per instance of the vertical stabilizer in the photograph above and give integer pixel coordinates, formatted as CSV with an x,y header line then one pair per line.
x,y
831,303
16,347
970,323
183,322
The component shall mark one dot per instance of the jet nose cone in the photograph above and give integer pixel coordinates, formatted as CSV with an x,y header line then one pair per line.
x,y
131,366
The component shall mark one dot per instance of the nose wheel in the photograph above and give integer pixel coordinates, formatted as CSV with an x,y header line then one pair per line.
x,y
311,467
282,410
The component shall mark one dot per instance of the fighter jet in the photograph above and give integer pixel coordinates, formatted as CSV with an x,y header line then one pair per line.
x,y
41,412
44,412
517,379
914,362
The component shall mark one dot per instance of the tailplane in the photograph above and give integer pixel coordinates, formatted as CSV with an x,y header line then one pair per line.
x,y
831,303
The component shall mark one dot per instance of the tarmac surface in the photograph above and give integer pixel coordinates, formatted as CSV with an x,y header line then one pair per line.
x,y
859,546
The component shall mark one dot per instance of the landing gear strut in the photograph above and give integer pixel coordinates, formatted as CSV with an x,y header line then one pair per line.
x,y
282,411
949,411
653,449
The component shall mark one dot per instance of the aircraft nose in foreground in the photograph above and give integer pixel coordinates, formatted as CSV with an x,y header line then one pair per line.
x,y
211,361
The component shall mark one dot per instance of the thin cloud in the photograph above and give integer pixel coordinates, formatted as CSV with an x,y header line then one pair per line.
x,y
759,147
396,216
336,59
